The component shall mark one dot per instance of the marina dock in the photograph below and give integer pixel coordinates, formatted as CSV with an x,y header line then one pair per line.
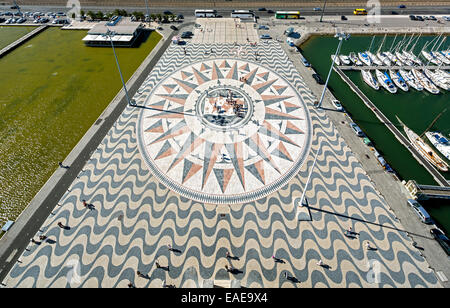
x,y
441,180
394,67
22,40
425,192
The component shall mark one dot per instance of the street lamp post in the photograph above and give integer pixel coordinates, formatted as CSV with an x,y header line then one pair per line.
x,y
110,34
342,37
323,10
148,12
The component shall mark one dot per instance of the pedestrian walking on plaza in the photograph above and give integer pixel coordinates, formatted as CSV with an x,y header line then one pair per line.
x,y
140,274
42,237
85,203
130,285
60,225
228,254
33,241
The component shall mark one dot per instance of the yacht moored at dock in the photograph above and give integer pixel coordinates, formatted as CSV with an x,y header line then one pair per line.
x,y
336,60
384,58
386,81
398,80
354,58
437,79
374,58
345,59
425,82
410,80
364,58
440,142
424,149
370,80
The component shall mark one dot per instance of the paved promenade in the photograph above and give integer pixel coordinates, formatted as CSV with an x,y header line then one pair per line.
x,y
130,216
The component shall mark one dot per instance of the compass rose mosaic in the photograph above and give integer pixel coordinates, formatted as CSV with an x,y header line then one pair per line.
x,y
224,131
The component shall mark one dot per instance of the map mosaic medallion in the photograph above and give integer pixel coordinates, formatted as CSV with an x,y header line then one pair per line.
x,y
224,131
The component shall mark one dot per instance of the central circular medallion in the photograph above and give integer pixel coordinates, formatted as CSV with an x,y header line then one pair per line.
x,y
224,108
224,131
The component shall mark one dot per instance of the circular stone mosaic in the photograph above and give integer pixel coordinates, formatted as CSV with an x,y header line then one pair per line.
x,y
224,131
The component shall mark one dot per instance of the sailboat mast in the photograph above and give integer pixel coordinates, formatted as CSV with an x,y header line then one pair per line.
x,y
395,37
382,42
415,43
370,47
434,121
406,47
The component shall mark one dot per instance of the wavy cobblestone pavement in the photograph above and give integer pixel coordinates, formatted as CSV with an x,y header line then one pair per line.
x,y
135,216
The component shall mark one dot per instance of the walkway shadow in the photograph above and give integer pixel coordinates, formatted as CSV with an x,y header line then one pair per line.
x,y
293,279
177,251
368,222
168,111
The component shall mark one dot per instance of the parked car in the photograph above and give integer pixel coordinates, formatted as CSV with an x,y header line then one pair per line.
x,y
187,34
337,105
402,6
270,12
317,9
180,16
343,17
305,62
167,13
412,17
265,36
419,18
432,18
357,130
2,20
263,27
289,31
173,28
420,211
394,13
318,79
443,240
261,9
447,18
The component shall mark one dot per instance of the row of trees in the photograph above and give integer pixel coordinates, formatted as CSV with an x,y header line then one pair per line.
x,y
138,15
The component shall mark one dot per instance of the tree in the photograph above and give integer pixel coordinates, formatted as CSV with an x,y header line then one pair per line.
x,y
91,15
100,15
152,17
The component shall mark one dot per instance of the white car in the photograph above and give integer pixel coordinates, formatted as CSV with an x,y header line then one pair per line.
x,y
447,18
337,105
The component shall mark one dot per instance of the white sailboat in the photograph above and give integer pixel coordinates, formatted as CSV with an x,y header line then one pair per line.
x,y
440,142
345,59
403,59
426,83
354,58
370,80
424,149
336,60
364,58
398,80
411,80
437,79
385,81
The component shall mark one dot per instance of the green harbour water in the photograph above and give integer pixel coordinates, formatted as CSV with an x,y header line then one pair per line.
x,y
52,89
416,109
9,34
